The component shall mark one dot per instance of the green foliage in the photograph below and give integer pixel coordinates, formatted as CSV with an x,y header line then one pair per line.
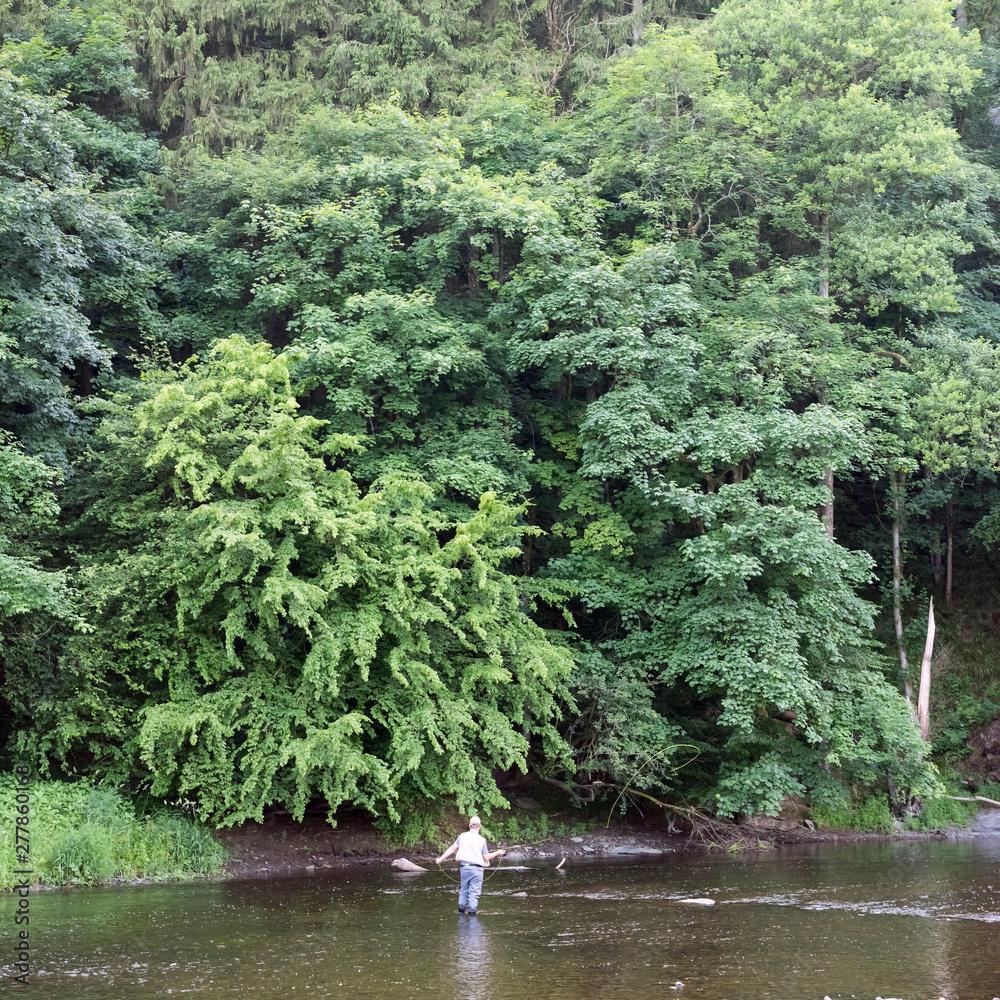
x,y
421,823
429,825
576,310
36,600
77,270
870,815
86,835
27,507
267,632
951,726
533,829
942,814
225,75
819,48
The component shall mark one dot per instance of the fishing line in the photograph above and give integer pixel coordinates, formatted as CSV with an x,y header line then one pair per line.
x,y
486,879
444,872
495,870
625,788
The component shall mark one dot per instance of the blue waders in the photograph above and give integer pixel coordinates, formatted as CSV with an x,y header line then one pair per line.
x,y
472,886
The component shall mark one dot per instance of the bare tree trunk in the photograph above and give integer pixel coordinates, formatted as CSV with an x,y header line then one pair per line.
x,y
560,23
499,276
948,549
924,696
961,18
638,27
896,481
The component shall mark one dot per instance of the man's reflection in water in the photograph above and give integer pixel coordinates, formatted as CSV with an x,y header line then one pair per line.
x,y
472,962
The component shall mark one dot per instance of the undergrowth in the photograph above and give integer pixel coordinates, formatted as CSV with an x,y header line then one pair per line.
x,y
872,815
867,815
85,835
941,814
532,829
440,827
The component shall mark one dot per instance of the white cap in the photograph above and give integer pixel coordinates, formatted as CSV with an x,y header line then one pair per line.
x,y
475,821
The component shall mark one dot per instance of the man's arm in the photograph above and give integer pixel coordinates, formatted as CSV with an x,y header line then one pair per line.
x,y
447,854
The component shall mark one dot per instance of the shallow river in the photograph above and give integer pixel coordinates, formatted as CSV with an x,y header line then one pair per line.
x,y
909,920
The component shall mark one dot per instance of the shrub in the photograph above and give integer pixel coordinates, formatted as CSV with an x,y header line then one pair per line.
x,y
84,856
873,816
82,835
942,813
869,815
528,829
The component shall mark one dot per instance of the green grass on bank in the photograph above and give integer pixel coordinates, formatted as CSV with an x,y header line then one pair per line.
x,y
871,814
83,835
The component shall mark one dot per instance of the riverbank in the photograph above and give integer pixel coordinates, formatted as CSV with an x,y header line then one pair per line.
x,y
281,845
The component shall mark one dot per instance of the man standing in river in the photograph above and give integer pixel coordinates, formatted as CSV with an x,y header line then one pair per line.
x,y
472,859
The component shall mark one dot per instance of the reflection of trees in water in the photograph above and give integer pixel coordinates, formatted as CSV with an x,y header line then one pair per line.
x,y
472,960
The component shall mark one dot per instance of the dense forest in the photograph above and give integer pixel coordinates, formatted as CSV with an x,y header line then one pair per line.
x,y
397,397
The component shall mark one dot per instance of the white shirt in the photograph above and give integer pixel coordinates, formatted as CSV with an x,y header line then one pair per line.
x,y
471,848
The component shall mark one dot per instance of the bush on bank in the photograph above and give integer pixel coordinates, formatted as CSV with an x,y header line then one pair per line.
x,y
872,815
80,834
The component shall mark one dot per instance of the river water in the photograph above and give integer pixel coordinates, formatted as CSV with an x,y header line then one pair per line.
x,y
913,920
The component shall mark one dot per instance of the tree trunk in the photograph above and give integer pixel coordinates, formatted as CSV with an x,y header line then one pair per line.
x,y
935,548
824,274
828,506
824,293
527,553
948,549
924,697
638,27
828,472
896,484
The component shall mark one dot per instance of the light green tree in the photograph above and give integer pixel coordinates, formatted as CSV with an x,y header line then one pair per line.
x,y
267,633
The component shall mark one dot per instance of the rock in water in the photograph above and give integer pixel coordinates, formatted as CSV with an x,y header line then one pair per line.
x,y
632,849
698,902
406,866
